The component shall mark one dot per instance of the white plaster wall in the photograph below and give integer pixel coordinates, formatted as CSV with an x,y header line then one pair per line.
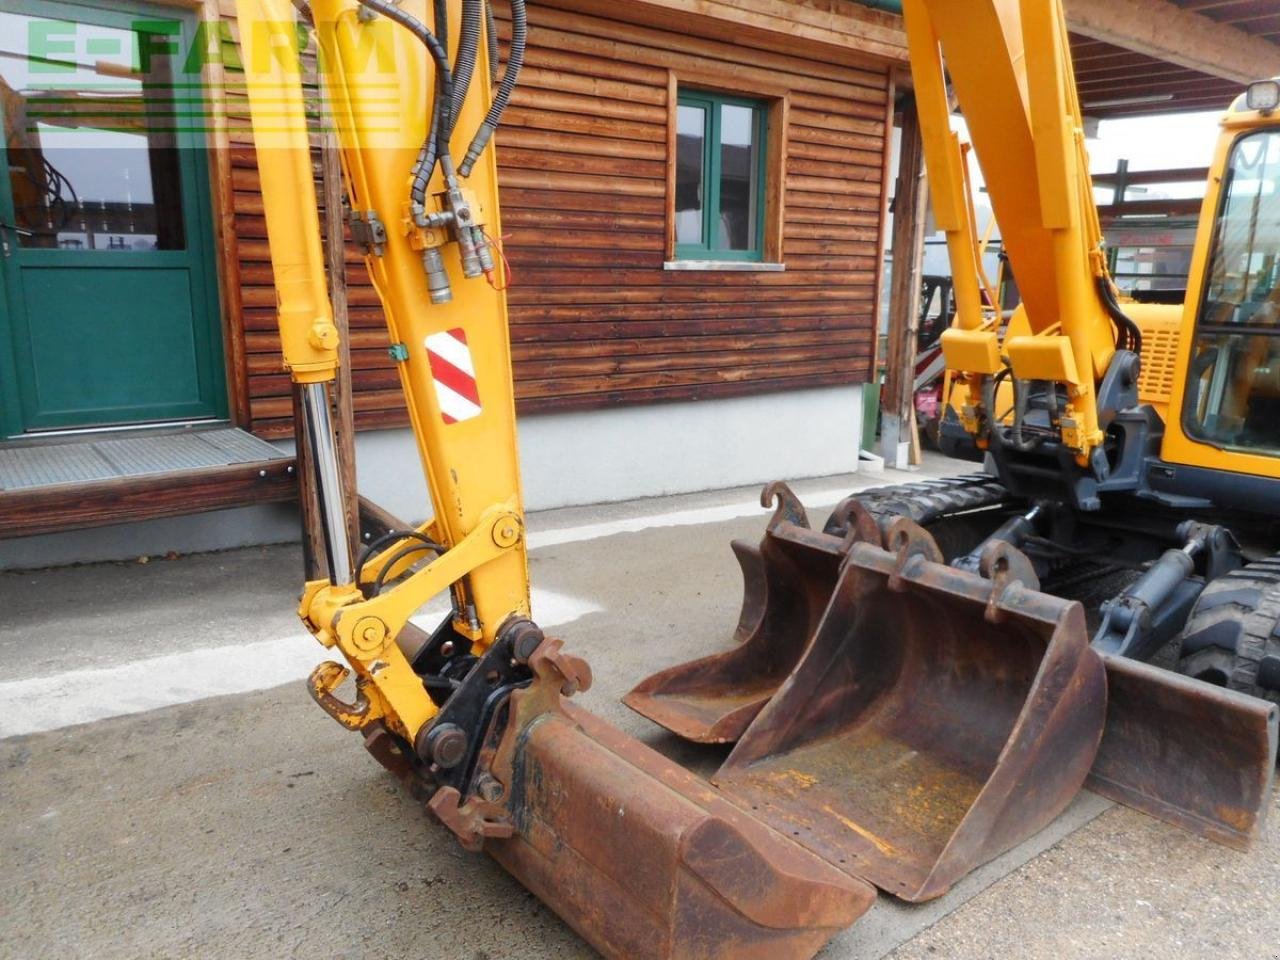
x,y
568,459
602,456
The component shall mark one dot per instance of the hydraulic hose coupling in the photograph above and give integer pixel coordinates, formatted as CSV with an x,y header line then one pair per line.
x,y
481,140
438,285
484,250
471,263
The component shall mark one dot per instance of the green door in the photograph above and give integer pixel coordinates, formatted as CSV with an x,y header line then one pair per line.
x,y
108,313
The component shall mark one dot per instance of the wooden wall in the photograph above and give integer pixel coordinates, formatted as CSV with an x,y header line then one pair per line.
x,y
596,320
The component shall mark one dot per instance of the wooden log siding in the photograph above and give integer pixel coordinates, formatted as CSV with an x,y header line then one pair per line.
x,y
595,319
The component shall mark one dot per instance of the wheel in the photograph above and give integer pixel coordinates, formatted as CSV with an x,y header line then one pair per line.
x,y
1232,637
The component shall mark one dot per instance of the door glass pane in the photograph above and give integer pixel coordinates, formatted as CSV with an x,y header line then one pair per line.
x,y
691,144
1234,395
93,162
739,175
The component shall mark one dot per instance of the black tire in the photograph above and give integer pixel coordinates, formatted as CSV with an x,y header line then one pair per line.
x,y
1232,637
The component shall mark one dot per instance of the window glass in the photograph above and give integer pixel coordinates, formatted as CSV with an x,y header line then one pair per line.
x,y
1233,400
691,146
739,170
719,202
92,158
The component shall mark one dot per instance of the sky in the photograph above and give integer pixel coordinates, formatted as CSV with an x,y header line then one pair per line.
x,y
1165,142
1156,143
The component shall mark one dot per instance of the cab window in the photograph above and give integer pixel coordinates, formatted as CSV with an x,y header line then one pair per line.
x,y
1233,400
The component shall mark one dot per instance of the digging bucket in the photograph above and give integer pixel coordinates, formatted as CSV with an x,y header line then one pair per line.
x,y
937,719
787,584
643,859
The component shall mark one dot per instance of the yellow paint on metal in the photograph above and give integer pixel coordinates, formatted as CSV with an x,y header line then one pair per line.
x,y
379,90
273,78
972,351
1009,64
1178,447
1042,358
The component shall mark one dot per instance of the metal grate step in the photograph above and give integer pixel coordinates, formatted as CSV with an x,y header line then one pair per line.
x,y
86,459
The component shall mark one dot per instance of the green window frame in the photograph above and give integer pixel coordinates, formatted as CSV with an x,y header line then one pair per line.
x,y
713,105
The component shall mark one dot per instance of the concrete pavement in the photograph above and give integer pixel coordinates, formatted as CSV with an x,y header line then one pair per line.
x,y
249,825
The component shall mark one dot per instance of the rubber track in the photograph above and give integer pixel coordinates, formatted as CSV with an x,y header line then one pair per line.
x,y
1234,626
926,501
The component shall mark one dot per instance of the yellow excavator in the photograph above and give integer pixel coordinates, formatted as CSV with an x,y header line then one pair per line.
x,y
905,700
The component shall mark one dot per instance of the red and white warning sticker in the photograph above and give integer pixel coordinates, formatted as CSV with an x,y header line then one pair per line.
x,y
454,375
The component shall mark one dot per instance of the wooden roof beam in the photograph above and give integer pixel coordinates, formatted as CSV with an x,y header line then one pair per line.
x,y
1160,29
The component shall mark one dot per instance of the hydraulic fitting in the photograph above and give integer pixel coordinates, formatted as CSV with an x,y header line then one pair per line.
x,y
482,138
437,276
484,250
467,250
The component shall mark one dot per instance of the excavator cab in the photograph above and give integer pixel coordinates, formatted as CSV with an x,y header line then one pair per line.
x,y
1233,389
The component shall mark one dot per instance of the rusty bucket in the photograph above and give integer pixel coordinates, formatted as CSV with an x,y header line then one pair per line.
x,y
937,719
643,859
787,584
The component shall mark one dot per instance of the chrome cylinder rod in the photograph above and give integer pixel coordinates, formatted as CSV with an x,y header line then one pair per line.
x,y
329,493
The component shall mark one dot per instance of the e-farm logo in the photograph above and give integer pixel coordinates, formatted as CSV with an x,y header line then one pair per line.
x,y
167,77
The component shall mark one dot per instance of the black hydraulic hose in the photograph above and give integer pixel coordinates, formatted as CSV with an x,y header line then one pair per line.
x,y
440,14
426,162
381,580
441,127
1132,334
510,74
424,543
419,30
491,39
468,51
444,89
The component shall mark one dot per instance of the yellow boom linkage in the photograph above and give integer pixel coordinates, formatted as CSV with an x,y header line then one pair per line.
x,y
1010,64
469,457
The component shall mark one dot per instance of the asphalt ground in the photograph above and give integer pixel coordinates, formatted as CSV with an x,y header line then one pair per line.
x,y
249,825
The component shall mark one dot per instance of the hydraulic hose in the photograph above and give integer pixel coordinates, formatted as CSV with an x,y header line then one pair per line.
x,y
441,112
491,39
440,123
515,60
468,51
426,162
441,128
1130,337
419,30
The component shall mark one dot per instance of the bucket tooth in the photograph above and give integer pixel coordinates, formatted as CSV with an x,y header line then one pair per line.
x,y
643,859
938,718
788,582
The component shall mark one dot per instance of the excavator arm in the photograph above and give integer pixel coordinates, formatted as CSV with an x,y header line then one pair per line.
x,y
425,236
898,721
1009,64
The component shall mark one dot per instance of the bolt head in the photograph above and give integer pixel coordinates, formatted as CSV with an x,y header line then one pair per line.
x,y
526,637
446,745
490,789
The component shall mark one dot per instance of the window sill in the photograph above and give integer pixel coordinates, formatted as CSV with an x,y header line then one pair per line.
x,y
735,266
